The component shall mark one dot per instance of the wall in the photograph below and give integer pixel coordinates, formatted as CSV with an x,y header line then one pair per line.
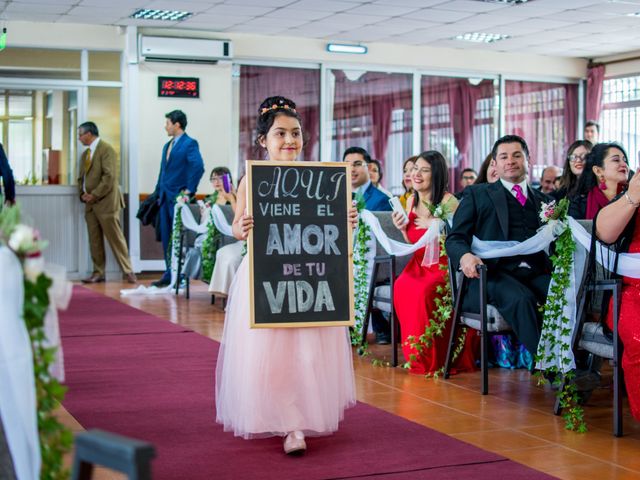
x,y
468,60
208,118
622,67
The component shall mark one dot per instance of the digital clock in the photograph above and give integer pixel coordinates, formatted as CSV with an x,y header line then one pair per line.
x,y
179,87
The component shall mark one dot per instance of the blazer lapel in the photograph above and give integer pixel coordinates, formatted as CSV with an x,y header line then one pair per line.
x,y
497,196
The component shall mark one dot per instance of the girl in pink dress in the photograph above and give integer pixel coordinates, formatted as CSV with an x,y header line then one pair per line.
x,y
289,382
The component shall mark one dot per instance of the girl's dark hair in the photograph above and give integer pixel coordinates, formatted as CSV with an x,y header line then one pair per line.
x,y
220,171
569,180
269,109
412,160
439,175
595,158
482,173
377,162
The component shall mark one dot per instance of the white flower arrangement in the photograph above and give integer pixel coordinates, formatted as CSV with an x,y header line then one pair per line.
x,y
25,241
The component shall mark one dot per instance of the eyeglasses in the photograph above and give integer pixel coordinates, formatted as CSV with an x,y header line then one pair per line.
x,y
468,177
215,178
577,158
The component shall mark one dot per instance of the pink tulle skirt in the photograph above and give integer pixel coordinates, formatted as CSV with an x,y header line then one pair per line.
x,y
277,380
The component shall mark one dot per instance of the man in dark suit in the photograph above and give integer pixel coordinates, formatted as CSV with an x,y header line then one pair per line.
x,y
7,179
99,190
181,168
359,159
505,210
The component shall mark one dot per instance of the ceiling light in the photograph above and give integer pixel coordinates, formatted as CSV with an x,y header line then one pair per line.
x,y
343,48
637,14
168,15
509,2
479,37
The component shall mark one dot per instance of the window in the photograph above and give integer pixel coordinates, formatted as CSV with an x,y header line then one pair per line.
x,y
372,110
545,115
464,136
620,117
298,84
37,128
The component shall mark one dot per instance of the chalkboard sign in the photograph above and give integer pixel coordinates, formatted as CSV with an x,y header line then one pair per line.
x,y
300,248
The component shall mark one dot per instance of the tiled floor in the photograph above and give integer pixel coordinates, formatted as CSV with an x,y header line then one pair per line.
x,y
514,420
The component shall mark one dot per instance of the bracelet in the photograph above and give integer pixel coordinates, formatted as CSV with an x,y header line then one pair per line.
x,y
631,202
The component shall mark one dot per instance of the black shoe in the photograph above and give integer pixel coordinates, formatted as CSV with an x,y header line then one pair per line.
x,y
383,338
161,283
586,381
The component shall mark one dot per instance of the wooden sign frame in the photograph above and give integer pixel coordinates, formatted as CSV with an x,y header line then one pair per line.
x,y
251,246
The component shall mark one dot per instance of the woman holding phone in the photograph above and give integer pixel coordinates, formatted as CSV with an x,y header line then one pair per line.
x,y
424,341
223,191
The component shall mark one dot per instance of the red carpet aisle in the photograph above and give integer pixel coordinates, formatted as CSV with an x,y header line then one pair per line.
x,y
135,374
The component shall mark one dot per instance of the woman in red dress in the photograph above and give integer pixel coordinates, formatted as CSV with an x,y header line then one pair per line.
x,y
619,223
416,289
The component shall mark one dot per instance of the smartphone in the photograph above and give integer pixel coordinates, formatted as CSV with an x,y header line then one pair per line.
x,y
226,182
397,207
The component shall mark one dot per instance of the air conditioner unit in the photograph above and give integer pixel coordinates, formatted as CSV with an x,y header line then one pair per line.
x,y
170,49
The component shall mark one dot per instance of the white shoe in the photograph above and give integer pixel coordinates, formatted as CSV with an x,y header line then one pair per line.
x,y
294,443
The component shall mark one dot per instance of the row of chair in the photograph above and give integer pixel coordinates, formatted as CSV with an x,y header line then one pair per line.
x,y
588,336
190,254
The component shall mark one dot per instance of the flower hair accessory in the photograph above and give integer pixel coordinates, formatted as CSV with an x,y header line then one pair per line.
x,y
277,106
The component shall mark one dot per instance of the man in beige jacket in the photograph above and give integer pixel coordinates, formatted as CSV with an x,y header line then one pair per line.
x,y
100,192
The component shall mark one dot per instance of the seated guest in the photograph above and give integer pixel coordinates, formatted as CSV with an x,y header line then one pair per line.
x,y
573,167
619,222
505,210
361,184
375,174
605,175
407,170
228,259
468,176
221,180
488,172
415,290
548,179
591,131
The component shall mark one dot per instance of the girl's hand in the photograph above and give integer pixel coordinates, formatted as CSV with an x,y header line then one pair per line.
x,y
399,220
246,224
422,223
634,187
353,216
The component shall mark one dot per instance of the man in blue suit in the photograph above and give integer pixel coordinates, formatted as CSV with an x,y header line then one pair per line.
x,y
181,168
7,179
359,159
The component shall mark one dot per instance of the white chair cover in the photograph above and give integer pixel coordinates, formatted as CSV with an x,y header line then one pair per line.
x,y
17,385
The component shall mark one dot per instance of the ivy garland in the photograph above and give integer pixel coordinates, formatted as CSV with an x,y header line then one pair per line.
x,y
174,246
55,438
361,287
555,326
437,325
210,242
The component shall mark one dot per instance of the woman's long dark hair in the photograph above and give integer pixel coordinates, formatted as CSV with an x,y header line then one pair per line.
x,y
595,158
484,168
439,175
404,165
569,180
